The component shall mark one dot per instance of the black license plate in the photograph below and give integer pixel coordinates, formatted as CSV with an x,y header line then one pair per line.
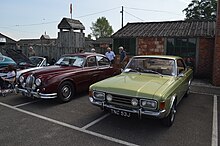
x,y
120,113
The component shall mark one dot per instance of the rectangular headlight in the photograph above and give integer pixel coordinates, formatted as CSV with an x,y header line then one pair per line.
x,y
148,104
99,95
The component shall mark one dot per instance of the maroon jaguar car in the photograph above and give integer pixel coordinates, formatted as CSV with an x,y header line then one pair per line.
x,y
71,74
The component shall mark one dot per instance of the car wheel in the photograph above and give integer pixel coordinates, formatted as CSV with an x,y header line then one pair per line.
x,y
23,94
168,121
65,91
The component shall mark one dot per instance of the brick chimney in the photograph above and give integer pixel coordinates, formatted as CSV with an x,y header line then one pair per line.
x,y
216,59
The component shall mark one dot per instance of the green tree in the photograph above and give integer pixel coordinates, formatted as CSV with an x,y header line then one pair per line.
x,y
101,28
201,10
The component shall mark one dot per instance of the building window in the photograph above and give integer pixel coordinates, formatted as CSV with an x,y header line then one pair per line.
x,y
183,47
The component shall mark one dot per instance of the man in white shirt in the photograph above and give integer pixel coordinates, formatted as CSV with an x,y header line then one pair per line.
x,y
110,55
10,77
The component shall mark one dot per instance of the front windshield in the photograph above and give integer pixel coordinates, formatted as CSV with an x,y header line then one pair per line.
x,y
160,66
36,60
71,61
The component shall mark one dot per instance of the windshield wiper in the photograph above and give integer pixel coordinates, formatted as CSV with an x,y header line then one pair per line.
x,y
127,70
152,71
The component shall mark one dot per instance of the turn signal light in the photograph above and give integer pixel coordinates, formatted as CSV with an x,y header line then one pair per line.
x,y
162,105
90,94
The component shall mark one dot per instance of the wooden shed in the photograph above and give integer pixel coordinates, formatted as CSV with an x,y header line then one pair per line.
x,y
71,37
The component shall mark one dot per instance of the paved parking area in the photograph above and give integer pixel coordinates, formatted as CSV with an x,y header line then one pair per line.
x,y
26,121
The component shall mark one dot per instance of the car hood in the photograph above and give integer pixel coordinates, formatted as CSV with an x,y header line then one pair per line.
x,y
135,85
18,56
19,72
54,69
5,60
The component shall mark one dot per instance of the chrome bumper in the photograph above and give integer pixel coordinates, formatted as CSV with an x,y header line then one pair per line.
x,y
36,94
140,112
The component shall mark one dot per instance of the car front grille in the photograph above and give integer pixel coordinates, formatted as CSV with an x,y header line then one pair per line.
x,y
124,101
30,81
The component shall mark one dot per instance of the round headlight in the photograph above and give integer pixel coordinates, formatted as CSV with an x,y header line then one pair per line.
x,y
153,104
99,95
21,79
149,104
109,97
38,82
34,87
144,102
91,99
134,102
23,85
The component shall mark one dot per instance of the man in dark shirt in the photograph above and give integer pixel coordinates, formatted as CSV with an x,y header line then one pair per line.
x,y
122,56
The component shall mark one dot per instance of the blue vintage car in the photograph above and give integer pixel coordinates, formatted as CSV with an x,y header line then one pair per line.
x,y
5,61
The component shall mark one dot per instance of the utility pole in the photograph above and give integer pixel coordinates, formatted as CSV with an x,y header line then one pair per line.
x,y
71,6
122,15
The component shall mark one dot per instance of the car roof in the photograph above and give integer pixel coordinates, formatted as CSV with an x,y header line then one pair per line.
x,y
84,54
160,56
36,57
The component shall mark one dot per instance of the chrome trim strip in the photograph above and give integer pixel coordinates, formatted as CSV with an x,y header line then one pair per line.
x,y
37,94
139,112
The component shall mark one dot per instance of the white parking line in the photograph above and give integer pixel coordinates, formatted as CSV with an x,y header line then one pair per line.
x,y
215,122
26,103
96,121
70,126
201,93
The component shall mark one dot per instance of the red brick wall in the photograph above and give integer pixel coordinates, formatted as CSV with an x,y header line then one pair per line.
x,y
216,62
205,57
150,46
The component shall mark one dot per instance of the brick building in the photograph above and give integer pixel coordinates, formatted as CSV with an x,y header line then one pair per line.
x,y
216,58
192,40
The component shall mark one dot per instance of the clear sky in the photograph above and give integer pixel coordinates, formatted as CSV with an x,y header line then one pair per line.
x,y
29,19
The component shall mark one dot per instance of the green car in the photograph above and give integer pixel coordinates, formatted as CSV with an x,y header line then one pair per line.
x,y
150,85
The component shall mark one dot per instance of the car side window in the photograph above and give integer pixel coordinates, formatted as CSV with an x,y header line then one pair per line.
x,y
91,62
180,66
103,61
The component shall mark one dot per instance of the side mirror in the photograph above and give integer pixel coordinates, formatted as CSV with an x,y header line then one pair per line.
x,y
181,75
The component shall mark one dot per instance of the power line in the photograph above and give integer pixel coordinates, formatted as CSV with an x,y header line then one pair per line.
x,y
158,11
134,16
17,25
35,24
21,31
98,12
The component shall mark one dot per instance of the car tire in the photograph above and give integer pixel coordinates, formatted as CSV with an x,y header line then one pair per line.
x,y
65,92
188,89
168,121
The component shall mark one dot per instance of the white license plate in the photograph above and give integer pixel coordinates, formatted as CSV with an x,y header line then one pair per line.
x,y
120,113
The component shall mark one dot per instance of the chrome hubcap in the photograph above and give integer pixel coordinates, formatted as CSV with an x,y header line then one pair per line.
x,y
173,112
66,91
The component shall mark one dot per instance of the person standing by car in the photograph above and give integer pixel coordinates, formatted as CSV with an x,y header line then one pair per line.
x,y
93,50
110,55
31,51
122,56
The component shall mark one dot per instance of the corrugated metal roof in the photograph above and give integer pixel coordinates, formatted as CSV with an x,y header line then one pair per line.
x,y
168,29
